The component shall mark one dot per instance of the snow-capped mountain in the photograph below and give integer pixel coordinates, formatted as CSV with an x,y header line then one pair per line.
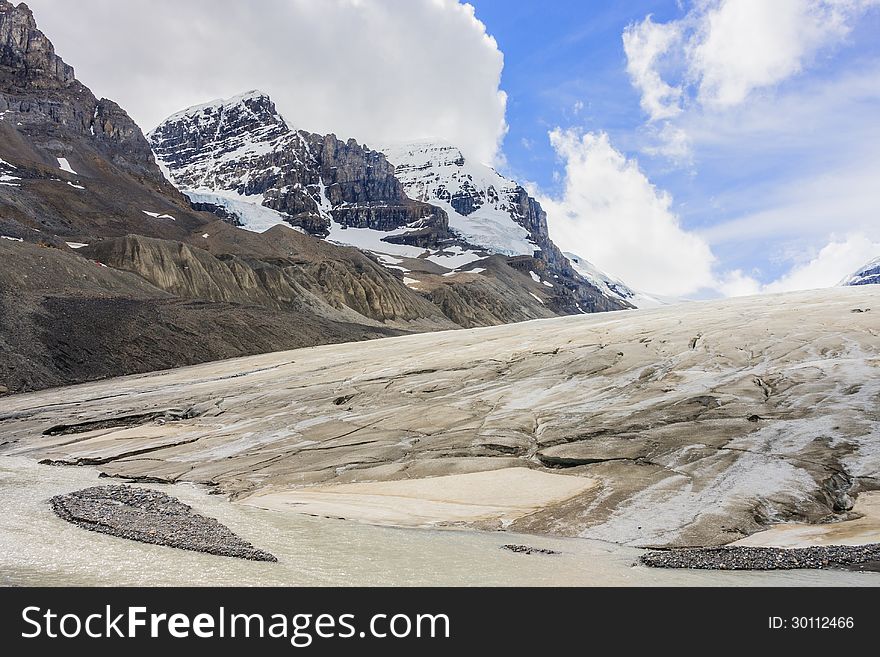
x,y
422,209
613,287
240,156
483,207
868,274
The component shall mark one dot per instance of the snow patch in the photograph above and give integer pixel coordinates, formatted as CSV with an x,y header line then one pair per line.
x,y
76,245
64,165
156,215
11,239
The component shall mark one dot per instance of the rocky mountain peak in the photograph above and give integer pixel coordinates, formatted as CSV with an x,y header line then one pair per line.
x,y
24,48
240,157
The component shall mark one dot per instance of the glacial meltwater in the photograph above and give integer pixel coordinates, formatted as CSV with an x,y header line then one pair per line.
x,y
37,548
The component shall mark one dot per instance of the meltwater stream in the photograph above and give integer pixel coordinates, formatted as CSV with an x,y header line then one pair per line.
x,y
39,549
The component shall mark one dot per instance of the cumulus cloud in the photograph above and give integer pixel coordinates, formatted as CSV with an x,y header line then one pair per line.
x,y
612,215
376,70
833,262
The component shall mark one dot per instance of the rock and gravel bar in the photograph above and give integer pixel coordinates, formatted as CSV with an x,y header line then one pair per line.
x,y
740,557
527,549
150,516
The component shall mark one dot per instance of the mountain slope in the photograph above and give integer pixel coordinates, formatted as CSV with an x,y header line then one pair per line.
x,y
868,274
73,167
241,150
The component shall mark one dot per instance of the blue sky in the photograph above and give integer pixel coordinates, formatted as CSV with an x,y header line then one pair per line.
x,y
753,164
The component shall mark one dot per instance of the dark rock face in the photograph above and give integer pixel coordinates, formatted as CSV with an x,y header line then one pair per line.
x,y
149,516
242,145
46,114
27,50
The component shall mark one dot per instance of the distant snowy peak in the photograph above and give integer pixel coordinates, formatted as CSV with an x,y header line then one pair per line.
x,y
613,287
484,207
868,274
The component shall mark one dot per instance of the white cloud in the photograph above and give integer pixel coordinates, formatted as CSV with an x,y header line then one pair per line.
x,y
738,284
645,43
611,214
834,262
672,142
376,70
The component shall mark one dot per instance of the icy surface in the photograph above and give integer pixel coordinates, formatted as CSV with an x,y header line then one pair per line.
x,y
248,210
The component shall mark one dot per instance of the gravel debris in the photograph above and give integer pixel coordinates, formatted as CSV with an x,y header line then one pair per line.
x,y
150,516
526,549
741,557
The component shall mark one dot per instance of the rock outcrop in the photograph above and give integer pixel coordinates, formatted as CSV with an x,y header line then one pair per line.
x,y
81,167
343,285
66,319
27,51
